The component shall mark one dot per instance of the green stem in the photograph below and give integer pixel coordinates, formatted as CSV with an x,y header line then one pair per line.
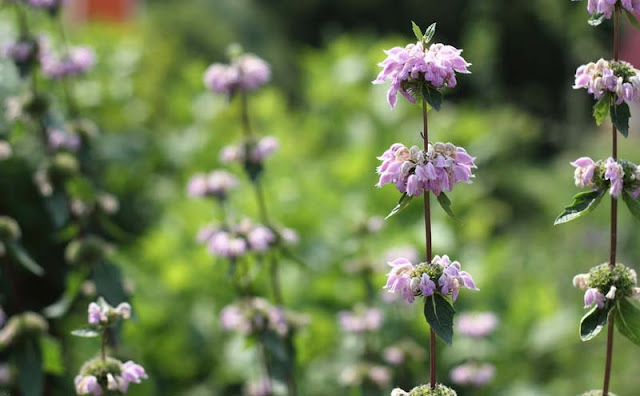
x,y
103,350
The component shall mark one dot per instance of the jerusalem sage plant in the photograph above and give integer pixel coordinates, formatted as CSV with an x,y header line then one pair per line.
x,y
609,287
419,73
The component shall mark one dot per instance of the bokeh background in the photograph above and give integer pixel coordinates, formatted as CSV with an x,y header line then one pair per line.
x,y
517,113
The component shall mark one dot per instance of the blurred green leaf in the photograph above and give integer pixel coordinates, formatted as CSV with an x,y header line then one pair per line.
x,y
28,361
439,314
593,322
632,204
602,108
632,19
87,332
109,284
582,204
17,252
404,201
74,283
628,320
445,203
52,361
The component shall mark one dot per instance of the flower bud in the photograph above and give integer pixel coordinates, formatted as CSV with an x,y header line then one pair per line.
x,y
9,229
581,281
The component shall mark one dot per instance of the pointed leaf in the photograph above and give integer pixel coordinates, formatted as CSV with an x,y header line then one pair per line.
x,y
431,30
632,19
439,314
620,115
22,257
416,31
582,204
404,201
628,320
602,108
28,361
594,321
87,332
596,19
432,96
108,280
445,203
52,361
632,204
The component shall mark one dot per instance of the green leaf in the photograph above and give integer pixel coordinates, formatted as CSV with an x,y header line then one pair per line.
x,y
52,361
432,96
628,320
404,201
445,202
632,204
583,203
593,322
74,283
22,257
87,332
431,30
596,19
58,209
601,108
620,115
632,19
278,354
439,314
416,31
108,280
28,361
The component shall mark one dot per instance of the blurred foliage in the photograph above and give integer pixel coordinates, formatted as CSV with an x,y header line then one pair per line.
x,y
516,113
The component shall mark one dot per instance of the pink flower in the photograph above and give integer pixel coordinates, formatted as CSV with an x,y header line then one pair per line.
x,y
475,374
583,175
476,325
247,72
399,278
616,77
593,296
86,385
615,174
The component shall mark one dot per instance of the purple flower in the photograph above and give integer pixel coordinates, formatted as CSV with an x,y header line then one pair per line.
x,y
256,152
20,51
260,238
60,140
436,169
131,372
216,184
474,374
264,148
477,324
50,5
607,7
247,72
583,175
615,174
436,66
96,314
617,77
233,318
394,356
77,61
380,375
258,388
399,278
592,296
453,278
86,385
427,286
359,322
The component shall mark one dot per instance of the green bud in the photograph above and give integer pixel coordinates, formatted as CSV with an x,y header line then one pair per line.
x,y
9,229
63,166
622,277
426,390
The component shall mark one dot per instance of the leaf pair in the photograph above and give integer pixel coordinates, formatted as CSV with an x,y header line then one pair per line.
x,y
406,199
627,320
428,34
620,114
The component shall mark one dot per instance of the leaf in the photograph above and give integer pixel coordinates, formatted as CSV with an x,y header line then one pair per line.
x,y
28,361
439,314
431,30
56,205
583,203
22,257
416,31
632,19
108,280
632,204
87,332
74,283
52,361
403,202
601,108
278,354
593,322
445,202
628,320
620,115
432,96
596,19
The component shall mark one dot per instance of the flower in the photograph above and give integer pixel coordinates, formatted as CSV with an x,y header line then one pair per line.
x,y
360,321
419,280
117,376
101,313
216,184
619,78
253,152
244,237
603,283
477,324
475,374
410,68
608,174
77,61
615,174
258,388
50,5
436,169
61,140
607,7
256,315
247,72
87,385
584,171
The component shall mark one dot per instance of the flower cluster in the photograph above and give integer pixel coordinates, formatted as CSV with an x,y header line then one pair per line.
x,y
425,390
477,324
246,73
369,319
617,77
250,151
475,374
243,238
603,283
256,315
420,280
408,69
436,169
110,374
403,350
21,325
356,374
608,174
21,51
607,7
77,61
215,184
102,314
60,140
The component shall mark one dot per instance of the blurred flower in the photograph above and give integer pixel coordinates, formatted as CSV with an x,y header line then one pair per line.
x,y
250,151
256,315
217,184
410,68
97,376
619,78
61,140
242,238
77,61
247,72
6,374
100,313
360,321
380,375
49,5
261,387
108,203
475,374
393,355
5,150
477,324
436,169
412,281
607,7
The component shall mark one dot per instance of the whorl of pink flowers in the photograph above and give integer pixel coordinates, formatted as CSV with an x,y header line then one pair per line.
x,y
256,315
112,374
437,169
61,140
217,184
360,321
247,72
440,276
608,173
607,7
436,66
253,152
474,374
618,77
20,51
476,324
77,61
